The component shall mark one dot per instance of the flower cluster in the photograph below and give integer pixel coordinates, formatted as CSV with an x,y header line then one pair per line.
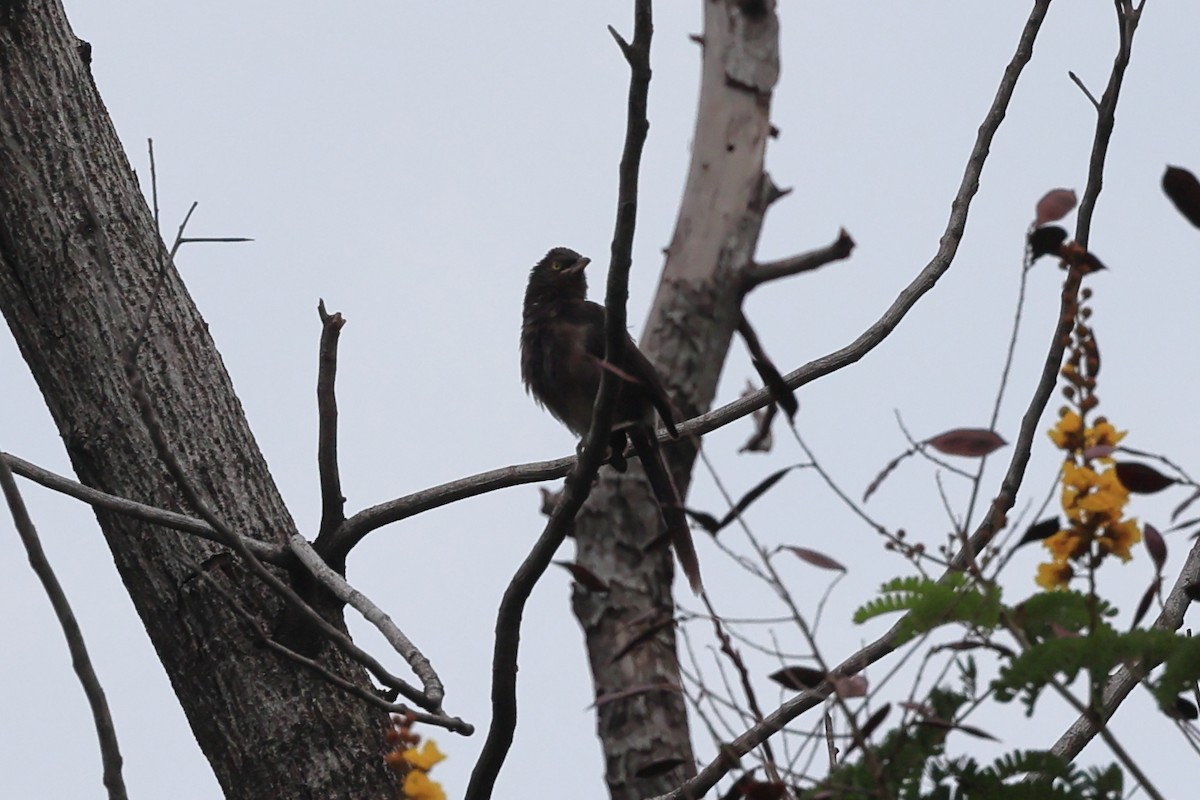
x,y
1093,498
413,761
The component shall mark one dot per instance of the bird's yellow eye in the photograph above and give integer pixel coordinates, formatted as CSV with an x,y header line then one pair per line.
x,y
556,265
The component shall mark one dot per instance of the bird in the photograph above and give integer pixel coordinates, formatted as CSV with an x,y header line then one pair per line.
x,y
562,359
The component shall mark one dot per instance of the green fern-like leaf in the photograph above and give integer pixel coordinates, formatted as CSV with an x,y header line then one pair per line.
x,y
1068,610
932,603
1096,653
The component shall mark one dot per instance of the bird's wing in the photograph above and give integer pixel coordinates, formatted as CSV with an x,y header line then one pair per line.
x,y
640,367
634,363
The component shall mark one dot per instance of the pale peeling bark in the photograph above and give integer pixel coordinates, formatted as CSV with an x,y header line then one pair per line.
x,y
691,324
78,256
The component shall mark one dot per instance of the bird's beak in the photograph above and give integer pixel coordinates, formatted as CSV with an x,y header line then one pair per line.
x,y
578,266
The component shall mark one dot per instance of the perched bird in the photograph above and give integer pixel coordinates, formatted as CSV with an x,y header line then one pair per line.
x,y
562,359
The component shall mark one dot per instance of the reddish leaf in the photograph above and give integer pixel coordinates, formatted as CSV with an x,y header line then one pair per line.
x,y
738,790
1147,598
584,577
1047,241
875,720
895,462
615,370
1054,205
849,686
1061,632
969,442
1040,531
869,727
1182,708
658,767
704,520
971,730
752,495
1076,255
798,678
816,559
1142,478
1155,544
1183,189
761,440
780,392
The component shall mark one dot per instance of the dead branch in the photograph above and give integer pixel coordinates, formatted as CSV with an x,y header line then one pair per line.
x,y
307,555
332,502
271,554
755,274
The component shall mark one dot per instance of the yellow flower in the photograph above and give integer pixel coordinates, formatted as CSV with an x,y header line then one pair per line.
x,y
1054,575
1108,497
1068,433
425,758
1102,434
1079,478
417,786
1066,545
1119,537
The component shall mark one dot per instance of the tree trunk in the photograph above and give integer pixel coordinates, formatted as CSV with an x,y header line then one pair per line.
x,y
691,324
78,259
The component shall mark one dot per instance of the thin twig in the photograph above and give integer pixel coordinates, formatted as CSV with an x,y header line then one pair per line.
x,y
578,485
1084,89
110,752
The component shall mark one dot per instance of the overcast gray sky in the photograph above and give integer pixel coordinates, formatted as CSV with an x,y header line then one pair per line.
x,y
408,162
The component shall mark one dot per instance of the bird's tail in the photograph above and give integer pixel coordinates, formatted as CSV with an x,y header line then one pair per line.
x,y
665,491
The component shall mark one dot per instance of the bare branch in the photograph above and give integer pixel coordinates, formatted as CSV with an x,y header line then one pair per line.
x,y
578,485
756,274
341,589
270,553
110,752
332,502
453,724
375,517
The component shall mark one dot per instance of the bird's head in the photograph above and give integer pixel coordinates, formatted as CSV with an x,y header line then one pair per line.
x,y
559,275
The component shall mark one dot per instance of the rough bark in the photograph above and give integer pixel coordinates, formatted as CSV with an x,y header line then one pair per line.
x,y
691,324
78,258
